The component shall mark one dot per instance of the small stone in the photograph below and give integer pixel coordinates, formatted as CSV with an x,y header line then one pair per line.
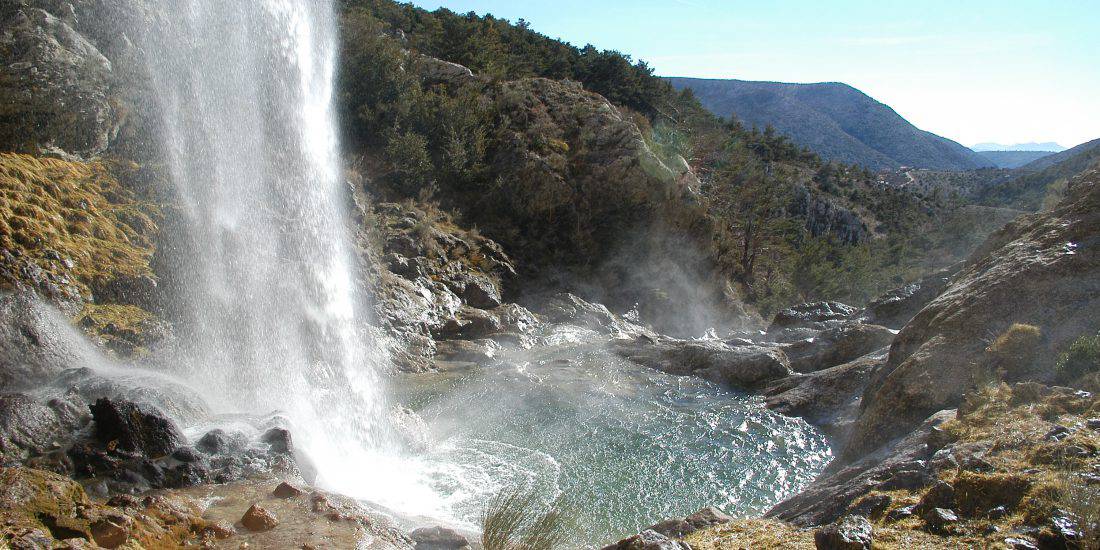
x,y
286,490
279,440
1020,544
438,538
1093,423
940,495
111,532
871,506
899,514
940,520
647,540
997,513
220,530
1057,433
850,533
908,480
258,519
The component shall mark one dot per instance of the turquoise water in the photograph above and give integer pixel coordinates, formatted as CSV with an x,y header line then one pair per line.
x,y
625,445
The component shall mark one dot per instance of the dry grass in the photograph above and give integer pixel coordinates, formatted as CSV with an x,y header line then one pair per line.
x,y
516,519
78,212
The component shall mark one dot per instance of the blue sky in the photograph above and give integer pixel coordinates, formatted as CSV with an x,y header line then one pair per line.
x,y
970,70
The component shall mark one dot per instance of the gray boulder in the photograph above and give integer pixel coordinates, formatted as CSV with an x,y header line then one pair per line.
x,y
837,345
29,427
850,533
648,540
739,366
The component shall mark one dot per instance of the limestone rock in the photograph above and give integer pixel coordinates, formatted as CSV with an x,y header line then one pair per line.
x,y
54,87
703,519
286,490
897,307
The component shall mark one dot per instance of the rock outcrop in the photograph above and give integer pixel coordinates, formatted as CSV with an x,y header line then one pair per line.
x,y
740,365
1042,270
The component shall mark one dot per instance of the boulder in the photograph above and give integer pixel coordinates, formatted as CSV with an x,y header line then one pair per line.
x,y
815,315
1041,270
29,427
258,519
850,533
286,490
37,343
828,398
739,366
439,538
837,345
647,540
134,428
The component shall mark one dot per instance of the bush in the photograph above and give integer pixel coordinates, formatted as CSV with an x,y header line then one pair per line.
x,y
1016,348
1083,357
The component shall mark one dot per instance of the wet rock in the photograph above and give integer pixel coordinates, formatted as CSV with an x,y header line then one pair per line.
x,y
565,308
647,540
814,315
279,439
940,520
219,442
1062,533
286,490
828,497
438,538
258,519
850,533
220,530
28,427
135,428
37,343
1093,423
474,351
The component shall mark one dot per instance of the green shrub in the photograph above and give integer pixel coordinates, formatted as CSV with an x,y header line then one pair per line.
x,y
1083,357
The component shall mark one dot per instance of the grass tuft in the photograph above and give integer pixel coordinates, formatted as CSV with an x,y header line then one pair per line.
x,y
516,519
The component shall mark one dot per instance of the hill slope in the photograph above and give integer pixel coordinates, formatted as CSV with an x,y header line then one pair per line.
x,y
837,121
1013,159
1042,181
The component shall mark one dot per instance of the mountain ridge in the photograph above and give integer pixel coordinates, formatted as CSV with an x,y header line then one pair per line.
x,y
835,120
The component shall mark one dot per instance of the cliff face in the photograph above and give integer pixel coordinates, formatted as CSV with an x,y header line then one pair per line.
x,y
1041,270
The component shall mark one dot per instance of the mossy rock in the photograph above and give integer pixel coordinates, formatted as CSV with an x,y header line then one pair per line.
x,y
977,493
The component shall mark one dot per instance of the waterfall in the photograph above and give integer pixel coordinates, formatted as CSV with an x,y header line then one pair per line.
x,y
261,265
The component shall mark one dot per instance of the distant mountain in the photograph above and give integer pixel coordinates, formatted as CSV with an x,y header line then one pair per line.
x,y
1013,159
1043,180
835,120
1048,146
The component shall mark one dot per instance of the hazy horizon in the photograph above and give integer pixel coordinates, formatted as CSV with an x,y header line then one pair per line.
x,y
976,72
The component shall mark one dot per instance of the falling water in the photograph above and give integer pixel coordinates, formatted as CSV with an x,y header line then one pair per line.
x,y
262,263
